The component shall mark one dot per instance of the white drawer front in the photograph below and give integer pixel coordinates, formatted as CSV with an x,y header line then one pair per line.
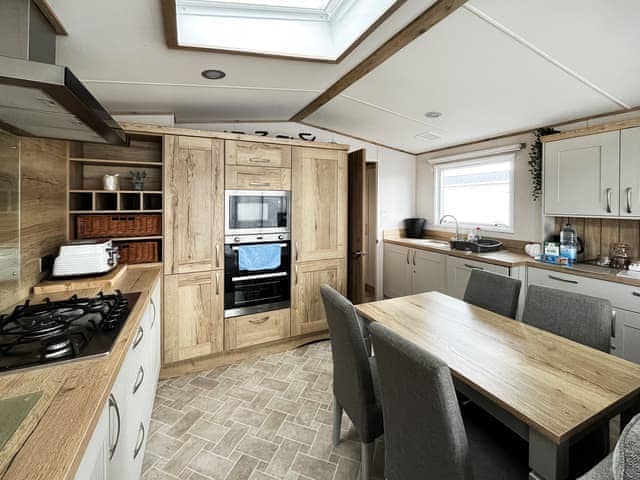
x,y
621,296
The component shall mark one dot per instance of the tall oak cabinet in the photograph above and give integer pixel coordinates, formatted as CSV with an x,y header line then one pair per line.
x,y
194,182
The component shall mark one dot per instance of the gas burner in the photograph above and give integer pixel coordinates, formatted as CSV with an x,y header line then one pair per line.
x,y
59,330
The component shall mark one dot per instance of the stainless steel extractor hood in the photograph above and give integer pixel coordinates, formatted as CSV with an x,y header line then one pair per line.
x,y
42,99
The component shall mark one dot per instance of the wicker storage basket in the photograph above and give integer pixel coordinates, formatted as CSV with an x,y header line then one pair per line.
x,y
138,252
97,226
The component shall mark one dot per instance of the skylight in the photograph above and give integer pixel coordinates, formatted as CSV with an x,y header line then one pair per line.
x,y
310,29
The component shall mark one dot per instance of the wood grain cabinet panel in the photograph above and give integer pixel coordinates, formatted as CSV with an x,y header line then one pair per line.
x,y
257,154
194,204
241,177
319,207
307,313
193,320
249,330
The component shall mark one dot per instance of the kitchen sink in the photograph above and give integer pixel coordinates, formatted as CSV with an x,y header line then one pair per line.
x,y
477,246
436,244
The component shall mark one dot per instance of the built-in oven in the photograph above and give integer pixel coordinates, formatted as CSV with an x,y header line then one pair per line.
x,y
251,212
256,273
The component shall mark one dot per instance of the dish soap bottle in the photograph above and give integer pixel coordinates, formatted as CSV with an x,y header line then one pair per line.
x,y
568,244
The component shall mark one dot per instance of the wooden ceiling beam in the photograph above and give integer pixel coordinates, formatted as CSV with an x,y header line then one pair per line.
x,y
420,25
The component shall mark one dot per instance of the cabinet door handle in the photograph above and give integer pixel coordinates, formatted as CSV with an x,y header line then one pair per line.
x,y
629,189
414,258
608,190
259,160
613,323
139,380
473,267
258,321
217,283
113,404
297,251
635,293
139,337
407,257
140,442
558,279
155,312
259,184
217,255
296,269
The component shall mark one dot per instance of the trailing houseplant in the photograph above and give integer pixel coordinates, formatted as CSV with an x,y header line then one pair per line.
x,y
535,161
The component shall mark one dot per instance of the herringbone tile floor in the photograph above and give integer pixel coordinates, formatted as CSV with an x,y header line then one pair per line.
x,y
264,418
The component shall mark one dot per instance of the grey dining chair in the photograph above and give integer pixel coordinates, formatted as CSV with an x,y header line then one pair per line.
x,y
425,435
355,378
624,462
581,318
494,292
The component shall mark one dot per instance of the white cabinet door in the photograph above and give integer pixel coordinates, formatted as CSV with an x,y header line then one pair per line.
x,y
627,339
95,460
429,272
397,271
582,175
630,172
459,270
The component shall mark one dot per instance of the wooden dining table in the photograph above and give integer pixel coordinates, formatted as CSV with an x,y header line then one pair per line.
x,y
548,389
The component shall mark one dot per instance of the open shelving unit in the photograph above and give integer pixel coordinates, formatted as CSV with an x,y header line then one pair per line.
x,y
89,162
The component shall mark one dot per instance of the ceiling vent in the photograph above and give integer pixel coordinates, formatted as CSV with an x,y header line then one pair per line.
x,y
429,136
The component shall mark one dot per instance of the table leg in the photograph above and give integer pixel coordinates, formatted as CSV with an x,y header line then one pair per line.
x,y
627,414
547,460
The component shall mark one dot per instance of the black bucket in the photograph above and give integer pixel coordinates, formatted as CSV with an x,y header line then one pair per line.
x,y
414,227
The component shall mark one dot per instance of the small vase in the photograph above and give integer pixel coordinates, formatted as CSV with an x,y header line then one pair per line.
x,y
138,185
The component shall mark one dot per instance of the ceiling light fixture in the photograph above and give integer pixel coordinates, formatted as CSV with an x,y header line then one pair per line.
x,y
213,74
433,114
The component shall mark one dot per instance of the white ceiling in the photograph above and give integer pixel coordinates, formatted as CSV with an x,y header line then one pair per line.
x,y
492,67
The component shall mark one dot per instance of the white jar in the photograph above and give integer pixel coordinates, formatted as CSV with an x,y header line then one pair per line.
x,y
110,182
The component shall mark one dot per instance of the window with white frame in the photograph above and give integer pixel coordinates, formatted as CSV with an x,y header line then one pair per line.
x,y
477,192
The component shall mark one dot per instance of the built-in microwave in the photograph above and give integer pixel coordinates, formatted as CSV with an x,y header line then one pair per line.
x,y
249,212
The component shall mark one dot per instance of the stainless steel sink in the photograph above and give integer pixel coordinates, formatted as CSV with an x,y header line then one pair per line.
x,y
436,244
483,245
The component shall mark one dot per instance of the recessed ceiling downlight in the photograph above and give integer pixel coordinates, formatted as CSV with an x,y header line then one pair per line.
x,y
433,114
213,74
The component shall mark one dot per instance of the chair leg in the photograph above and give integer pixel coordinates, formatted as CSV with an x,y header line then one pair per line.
x,y
366,459
337,421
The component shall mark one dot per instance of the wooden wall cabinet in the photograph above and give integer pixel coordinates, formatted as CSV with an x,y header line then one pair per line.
x,y
242,177
194,315
319,207
319,190
257,154
194,204
307,314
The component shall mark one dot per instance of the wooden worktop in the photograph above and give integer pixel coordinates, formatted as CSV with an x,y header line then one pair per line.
x,y
552,384
50,442
505,258
509,258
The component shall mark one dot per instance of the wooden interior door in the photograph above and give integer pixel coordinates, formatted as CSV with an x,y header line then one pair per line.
x,y
319,205
194,204
307,313
194,315
357,223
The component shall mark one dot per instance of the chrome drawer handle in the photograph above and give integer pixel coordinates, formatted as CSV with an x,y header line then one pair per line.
x,y
473,267
258,321
139,337
139,380
155,311
140,442
113,404
608,200
553,277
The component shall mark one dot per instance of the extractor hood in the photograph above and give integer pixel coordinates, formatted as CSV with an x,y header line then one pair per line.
x,y
41,99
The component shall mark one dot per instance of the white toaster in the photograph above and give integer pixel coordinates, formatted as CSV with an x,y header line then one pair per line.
x,y
85,257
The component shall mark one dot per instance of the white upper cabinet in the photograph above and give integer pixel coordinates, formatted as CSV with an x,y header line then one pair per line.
x,y
630,172
582,176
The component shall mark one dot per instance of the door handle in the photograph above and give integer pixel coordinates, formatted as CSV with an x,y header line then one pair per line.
x,y
613,323
113,404
217,255
407,256
140,442
258,321
629,199
473,267
359,253
259,160
414,258
608,190
296,270
558,279
297,251
139,337
217,283
139,380
155,311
